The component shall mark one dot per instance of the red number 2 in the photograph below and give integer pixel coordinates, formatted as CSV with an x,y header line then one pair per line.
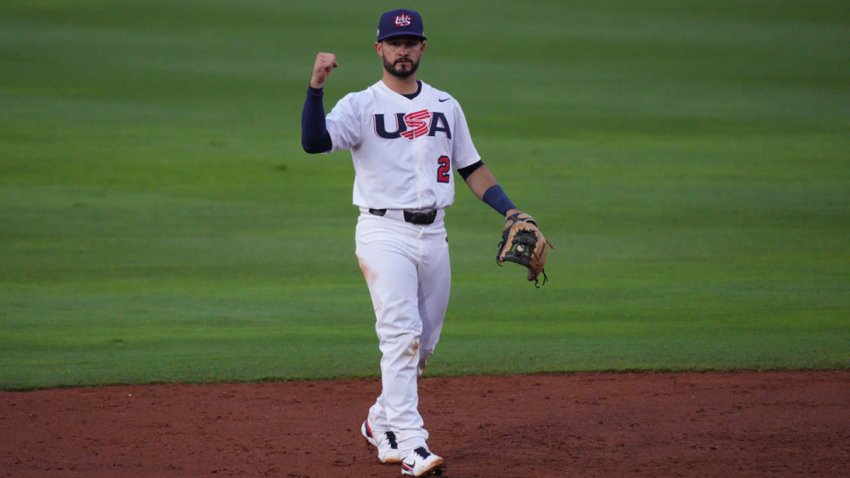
x,y
445,169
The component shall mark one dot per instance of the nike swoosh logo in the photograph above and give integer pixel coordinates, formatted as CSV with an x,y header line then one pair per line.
x,y
443,99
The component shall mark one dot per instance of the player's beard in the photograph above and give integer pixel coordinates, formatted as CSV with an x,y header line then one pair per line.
x,y
401,68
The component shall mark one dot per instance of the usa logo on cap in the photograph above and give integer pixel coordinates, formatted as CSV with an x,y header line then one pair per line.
x,y
402,20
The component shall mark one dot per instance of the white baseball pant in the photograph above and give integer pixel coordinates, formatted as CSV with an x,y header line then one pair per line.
x,y
408,272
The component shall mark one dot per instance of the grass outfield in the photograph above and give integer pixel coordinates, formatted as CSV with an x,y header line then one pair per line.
x,y
159,222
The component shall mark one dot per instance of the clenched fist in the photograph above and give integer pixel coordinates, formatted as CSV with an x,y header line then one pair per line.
x,y
325,62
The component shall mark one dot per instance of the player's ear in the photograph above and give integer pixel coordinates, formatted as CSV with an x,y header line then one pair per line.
x,y
378,47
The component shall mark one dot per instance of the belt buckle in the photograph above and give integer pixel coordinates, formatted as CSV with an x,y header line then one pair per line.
x,y
420,218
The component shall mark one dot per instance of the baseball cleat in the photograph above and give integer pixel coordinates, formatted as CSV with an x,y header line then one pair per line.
x,y
385,443
420,369
422,462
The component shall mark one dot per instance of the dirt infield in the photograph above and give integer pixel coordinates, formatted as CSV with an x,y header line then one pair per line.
x,y
691,424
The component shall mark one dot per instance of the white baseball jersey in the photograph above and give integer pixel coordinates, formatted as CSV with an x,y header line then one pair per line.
x,y
403,150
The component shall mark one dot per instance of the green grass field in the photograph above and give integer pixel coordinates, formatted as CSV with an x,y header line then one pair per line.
x,y
159,221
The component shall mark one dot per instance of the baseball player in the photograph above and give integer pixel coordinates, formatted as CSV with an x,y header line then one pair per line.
x,y
406,138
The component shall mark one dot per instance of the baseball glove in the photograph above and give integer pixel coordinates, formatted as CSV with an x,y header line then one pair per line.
x,y
524,243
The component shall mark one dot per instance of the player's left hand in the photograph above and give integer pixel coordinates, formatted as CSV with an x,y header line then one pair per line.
x,y
524,243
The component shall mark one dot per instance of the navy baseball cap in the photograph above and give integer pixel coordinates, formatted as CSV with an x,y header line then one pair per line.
x,y
400,22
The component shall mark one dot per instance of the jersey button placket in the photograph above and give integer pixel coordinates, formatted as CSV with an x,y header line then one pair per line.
x,y
420,157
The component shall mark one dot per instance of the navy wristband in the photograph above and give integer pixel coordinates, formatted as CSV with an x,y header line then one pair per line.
x,y
496,198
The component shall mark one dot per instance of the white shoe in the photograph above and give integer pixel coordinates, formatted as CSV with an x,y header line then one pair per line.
x,y
385,443
423,364
422,462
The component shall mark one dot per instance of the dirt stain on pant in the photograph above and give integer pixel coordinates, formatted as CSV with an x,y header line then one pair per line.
x,y
368,274
414,348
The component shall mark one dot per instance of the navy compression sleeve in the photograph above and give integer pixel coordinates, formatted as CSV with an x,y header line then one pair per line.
x,y
467,171
314,132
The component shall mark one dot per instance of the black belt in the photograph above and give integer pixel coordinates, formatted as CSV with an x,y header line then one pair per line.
x,y
418,218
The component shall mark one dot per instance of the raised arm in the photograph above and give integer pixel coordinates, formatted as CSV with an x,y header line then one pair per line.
x,y
314,133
